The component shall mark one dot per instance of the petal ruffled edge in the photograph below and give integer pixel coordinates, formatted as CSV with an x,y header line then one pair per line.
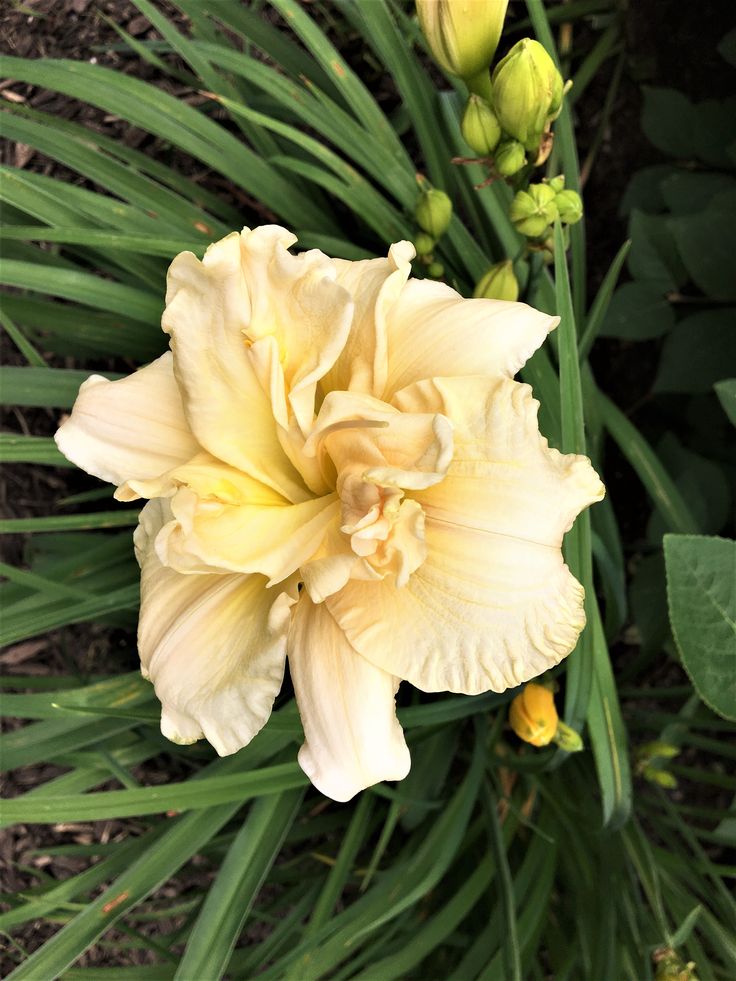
x,y
214,646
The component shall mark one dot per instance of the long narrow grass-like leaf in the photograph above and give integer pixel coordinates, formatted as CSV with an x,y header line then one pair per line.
x,y
191,794
231,896
56,387
18,338
29,449
578,544
659,485
70,522
162,114
608,734
103,239
599,306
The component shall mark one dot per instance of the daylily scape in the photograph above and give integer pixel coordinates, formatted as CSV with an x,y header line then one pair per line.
x,y
339,469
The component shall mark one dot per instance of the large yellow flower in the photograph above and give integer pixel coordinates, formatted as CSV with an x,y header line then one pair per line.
x,y
340,468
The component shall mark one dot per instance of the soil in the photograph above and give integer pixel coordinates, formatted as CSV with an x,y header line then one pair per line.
x,y
82,30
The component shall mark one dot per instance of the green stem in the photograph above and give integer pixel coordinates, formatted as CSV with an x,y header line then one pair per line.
x,y
480,84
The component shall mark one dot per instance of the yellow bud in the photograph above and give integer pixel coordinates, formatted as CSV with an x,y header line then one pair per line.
x,y
499,283
480,127
463,36
533,715
435,271
526,87
433,212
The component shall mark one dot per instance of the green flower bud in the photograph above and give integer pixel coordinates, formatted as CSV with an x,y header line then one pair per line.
x,y
463,36
570,206
424,244
436,270
658,748
526,84
557,183
533,211
480,127
663,778
499,283
567,739
510,158
434,212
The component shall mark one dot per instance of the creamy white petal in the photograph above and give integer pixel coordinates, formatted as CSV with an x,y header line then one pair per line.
x,y
433,331
375,285
213,645
364,435
133,428
208,311
504,477
296,302
482,613
493,604
353,738
273,540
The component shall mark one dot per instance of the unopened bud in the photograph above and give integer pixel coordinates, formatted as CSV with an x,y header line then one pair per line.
x,y
436,270
557,183
533,211
480,127
499,283
658,748
434,212
509,158
568,739
533,715
424,244
671,967
526,86
463,35
662,778
570,206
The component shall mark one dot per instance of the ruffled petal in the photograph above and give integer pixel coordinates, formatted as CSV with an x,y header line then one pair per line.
x,y
504,477
386,446
214,646
208,312
375,285
353,738
493,604
273,540
134,428
433,331
299,321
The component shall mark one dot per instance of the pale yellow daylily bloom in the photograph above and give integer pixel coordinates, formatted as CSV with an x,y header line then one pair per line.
x,y
341,470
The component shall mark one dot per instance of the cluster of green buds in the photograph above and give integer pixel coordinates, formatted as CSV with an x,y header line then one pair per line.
x,y
533,211
433,214
513,125
533,717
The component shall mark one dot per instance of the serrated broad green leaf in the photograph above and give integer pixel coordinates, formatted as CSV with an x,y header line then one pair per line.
x,y
701,591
